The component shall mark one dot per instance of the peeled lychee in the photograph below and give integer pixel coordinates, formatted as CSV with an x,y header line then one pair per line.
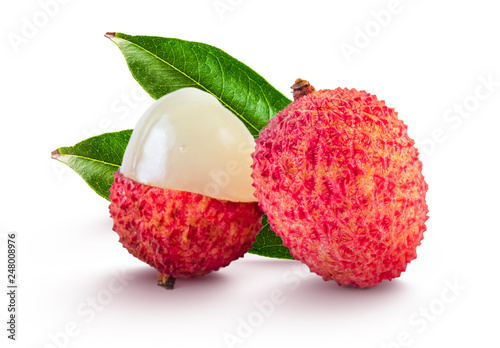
x,y
341,183
182,200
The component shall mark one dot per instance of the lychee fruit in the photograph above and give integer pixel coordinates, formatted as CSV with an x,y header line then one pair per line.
x,y
341,183
182,200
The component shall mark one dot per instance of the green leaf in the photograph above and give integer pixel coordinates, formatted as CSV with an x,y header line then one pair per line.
x,y
96,159
163,65
269,244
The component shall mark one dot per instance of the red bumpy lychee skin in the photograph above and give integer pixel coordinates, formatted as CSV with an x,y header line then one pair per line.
x,y
341,183
181,234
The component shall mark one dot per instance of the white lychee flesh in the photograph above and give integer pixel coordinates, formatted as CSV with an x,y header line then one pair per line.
x,y
188,141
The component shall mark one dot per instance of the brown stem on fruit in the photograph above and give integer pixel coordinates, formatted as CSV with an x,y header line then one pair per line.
x,y
110,35
301,88
55,154
166,281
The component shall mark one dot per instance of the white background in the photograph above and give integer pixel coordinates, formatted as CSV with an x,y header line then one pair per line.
x,y
63,81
